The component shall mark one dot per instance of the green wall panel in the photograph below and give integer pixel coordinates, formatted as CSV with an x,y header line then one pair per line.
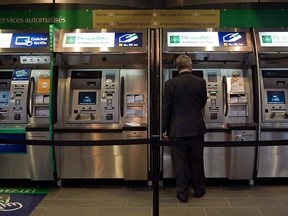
x,y
253,18
40,19
71,19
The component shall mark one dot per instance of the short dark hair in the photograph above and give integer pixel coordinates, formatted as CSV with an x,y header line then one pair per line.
x,y
183,61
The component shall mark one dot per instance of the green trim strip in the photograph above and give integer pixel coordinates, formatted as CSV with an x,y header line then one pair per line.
x,y
12,131
24,190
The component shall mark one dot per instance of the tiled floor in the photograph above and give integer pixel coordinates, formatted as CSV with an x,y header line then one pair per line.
x,y
122,201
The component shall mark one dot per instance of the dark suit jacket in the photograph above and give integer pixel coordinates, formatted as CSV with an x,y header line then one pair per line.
x,y
184,98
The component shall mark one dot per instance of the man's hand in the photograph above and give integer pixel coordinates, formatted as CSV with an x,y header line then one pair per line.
x,y
165,135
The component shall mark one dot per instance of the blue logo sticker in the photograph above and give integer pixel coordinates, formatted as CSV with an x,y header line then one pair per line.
x,y
20,40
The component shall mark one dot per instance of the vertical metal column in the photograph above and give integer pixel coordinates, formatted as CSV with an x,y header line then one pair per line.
x,y
155,173
155,115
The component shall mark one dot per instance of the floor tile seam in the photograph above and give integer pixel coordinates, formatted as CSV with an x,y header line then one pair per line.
x,y
96,212
43,211
205,212
227,199
281,203
259,211
76,204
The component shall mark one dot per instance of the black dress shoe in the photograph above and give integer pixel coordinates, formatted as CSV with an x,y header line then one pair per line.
x,y
183,197
200,193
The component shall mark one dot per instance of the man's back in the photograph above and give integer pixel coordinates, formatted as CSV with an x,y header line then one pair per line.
x,y
185,97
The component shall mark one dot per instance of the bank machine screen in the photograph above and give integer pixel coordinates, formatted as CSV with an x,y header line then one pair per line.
x,y
87,98
276,97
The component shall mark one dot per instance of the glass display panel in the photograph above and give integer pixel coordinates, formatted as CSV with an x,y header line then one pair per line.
x,y
87,98
276,97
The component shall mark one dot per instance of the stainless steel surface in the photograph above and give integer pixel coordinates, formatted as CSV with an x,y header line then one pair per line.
x,y
89,161
14,166
216,158
273,160
129,91
135,157
215,65
242,159
40,158
83,166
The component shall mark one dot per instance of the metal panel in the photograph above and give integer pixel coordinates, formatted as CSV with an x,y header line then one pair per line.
x,y
92,166
237,49
40,158
269,49
241,162
135,157
215,158
273,160
126,3
179,3
14,166
110,50
5,2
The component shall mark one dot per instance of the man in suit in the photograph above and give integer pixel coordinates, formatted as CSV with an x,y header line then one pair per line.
x,y
184,98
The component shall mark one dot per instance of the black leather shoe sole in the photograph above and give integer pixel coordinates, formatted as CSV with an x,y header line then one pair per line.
x,y
182,197
200,193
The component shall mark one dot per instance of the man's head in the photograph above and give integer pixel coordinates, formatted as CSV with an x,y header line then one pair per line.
x,y
183,62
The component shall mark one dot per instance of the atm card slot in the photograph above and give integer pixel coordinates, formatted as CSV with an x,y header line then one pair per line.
x,y
109,108
278,110
214,109
91,83
3,84
18,110
18,86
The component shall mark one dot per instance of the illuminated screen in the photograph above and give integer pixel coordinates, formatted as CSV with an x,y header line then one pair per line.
x,y
4,98
276,97
87,98
212,76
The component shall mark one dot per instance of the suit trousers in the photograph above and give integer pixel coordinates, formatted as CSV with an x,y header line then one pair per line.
x,y
188,163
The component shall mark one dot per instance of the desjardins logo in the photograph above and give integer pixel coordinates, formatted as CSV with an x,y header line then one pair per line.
x,y
267,39
174,39
70,40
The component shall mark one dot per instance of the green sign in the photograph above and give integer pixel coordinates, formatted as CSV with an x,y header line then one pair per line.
x,y
253,18
83,19
24,190
40,19
175,39
267,39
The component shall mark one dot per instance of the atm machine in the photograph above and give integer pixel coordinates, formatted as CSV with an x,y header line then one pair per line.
x,y
223,57
272,65
24,104
102,95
